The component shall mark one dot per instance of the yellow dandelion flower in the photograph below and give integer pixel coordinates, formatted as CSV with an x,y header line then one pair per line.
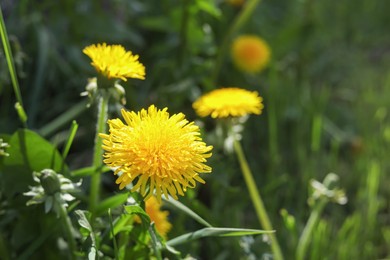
x,y
250,53
162,153
158,216
229,102
113,61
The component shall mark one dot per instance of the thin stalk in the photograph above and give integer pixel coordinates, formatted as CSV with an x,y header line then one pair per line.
x,y
67,227
256,200
113,235
4,249
10,62
72,134
97,162
272,119
316,131
241,19
183,31
307,231
155,242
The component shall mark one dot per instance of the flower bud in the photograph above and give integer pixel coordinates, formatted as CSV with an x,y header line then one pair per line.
x,y
50,182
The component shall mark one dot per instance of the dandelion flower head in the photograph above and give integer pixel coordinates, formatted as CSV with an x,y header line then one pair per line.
x,y
250,53
229,102
159,152
113,61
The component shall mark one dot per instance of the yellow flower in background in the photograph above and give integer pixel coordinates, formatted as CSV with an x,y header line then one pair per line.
x,y
229,102
113,61
250,53
158,216
161,153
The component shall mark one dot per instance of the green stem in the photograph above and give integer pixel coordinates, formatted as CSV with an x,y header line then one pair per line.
x,y
242,17
67,227
307,231
272,119
155,243
10,62
72,134
256,200
113,235
97,162
4,248
183,31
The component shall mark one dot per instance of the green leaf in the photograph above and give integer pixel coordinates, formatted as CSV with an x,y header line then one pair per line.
x,y
209,7
84,223
215,232
28,152
187,211
136,209
111,202
87,171
82,220
72,134
122,224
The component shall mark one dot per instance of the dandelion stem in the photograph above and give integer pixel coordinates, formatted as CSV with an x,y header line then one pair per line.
x,y
98,151
256,200
67,227
242,17
155,243
307,231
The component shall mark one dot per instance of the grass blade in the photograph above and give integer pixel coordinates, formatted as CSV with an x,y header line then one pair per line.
x,y
187,210
215,232
10,62
73,130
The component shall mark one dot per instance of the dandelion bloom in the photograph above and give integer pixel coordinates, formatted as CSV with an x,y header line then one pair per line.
x,y
229,102
113,61
158,216
250,53
162,153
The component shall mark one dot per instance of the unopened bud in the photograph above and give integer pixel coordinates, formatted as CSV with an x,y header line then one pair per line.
x,y
50,182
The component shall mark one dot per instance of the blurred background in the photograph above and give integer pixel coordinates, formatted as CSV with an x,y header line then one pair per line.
x,y
326,94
